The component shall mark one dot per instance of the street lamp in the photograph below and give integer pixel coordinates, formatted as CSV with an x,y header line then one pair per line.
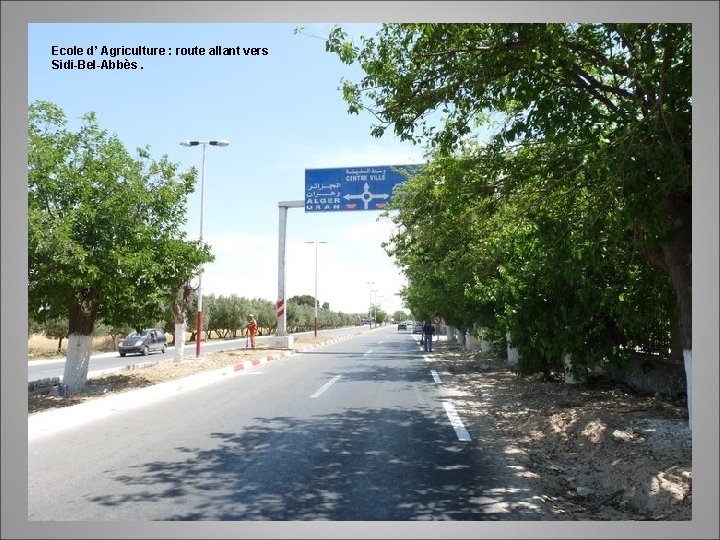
x,y
316,242
371,283
221,142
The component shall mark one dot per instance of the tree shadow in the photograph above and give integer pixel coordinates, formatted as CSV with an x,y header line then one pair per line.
x,y
391,464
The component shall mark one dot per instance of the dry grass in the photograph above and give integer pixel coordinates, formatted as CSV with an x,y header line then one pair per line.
x,y
40,346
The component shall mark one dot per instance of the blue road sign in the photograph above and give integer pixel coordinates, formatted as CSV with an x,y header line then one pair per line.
x,y
353,188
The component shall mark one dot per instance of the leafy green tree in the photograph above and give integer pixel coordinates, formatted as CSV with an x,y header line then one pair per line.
x,y
582,184
56,328
609,104
303,300
399,316
266,315
104,231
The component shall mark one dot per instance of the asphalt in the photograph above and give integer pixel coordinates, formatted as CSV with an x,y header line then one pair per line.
x,y
53,421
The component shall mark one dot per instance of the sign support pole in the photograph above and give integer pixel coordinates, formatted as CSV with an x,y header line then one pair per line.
x,y
281,303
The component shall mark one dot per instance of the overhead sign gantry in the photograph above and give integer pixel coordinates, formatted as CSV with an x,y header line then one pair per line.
x,y
353,188
342,189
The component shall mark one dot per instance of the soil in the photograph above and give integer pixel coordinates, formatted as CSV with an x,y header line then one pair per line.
x,y
598,452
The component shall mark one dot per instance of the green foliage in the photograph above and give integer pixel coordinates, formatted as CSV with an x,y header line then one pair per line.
x,y
226,317
399,316
104,228
303,300
570,224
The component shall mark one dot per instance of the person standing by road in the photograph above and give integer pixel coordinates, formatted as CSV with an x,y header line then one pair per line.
x,y
252,329
428,332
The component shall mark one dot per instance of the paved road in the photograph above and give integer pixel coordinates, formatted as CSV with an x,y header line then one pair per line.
x,y
362,430
40,369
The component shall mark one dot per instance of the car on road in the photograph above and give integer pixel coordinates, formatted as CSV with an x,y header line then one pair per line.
x,y
417,328
143,342
402,325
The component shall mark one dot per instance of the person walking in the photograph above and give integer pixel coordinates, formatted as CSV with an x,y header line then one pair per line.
x,y
252,329
428,332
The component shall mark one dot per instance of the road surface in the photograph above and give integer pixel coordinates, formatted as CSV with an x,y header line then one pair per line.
x,y
362,429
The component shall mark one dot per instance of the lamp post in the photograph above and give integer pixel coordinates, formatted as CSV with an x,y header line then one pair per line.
x,y
370,283
221,142
316,242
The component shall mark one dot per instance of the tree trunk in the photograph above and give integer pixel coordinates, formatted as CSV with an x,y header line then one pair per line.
x,y
179,310
675,257
77,362
688,379
82,323
179,341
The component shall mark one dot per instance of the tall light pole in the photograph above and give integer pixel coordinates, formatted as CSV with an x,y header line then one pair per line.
x,y
221,142
316,242
370,283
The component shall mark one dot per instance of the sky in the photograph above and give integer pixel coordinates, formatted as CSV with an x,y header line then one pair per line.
x,y
282,112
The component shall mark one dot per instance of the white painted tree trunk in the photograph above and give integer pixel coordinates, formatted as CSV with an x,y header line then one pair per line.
x,y
485,346
570,376
471,343
451,337
179,342
687,355
513,355
77,362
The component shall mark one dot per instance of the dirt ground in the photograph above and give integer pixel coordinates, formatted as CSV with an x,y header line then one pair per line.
x,y
593,453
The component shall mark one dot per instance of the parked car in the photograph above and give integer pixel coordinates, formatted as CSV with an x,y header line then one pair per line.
x,y
143,342
402,325
417,328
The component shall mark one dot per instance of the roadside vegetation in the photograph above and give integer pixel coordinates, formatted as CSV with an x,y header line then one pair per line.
x,y
553,213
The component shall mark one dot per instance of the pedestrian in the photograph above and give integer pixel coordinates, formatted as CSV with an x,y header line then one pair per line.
x,y
252,329
428,332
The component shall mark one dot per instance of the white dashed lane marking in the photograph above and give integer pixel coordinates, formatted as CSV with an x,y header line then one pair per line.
x,y
462,433
325,386
435,376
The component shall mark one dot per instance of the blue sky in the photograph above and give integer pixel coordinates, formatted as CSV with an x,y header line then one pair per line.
x,y
282,113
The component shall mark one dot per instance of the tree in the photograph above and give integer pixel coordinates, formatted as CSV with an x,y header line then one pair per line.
x,y
602,109
56,328
303,300
104,231
621,91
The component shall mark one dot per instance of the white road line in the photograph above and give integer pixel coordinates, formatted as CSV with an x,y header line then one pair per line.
x,y
326,386
427,358
368,352
435,376
455,421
